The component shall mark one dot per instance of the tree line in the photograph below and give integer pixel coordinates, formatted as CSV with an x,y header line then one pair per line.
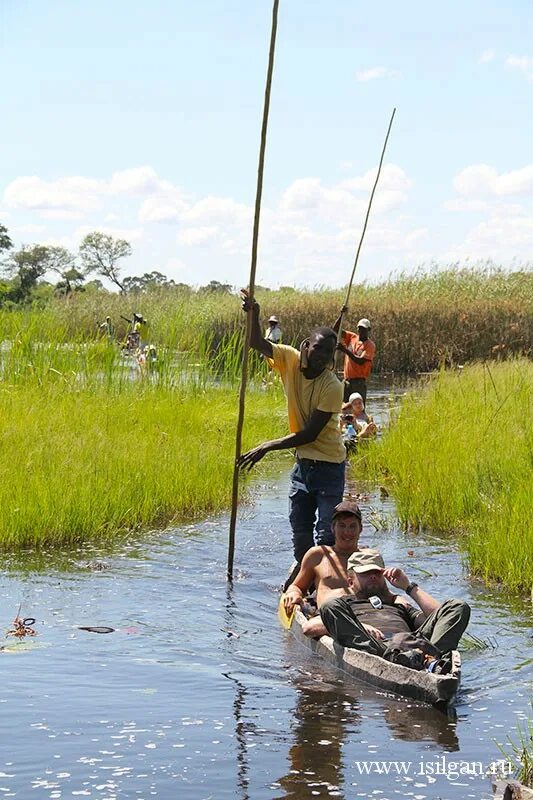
x,y
99,256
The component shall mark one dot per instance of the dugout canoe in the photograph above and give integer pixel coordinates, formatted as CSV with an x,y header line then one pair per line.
x,y
437,690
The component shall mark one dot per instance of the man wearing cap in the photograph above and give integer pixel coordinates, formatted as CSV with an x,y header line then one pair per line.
x,y
368,618
359,351
273,332
326,567
314,399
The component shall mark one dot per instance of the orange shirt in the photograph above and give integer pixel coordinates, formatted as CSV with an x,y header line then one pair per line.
x,y
366,350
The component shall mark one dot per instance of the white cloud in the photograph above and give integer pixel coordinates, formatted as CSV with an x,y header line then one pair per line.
x,y
65,196
486,56
480,179
218,210
365,75
523,64
130,234
308,203
392,178
311,229
466,204
165,206
76,197
29,229
137,180
501,237
194,236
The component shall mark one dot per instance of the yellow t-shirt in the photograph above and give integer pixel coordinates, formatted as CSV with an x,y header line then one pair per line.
x,y
305,395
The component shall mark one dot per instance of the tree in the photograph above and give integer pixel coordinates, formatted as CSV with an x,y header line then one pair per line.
x,y
72,280
216,286
62,262
150,280
5,241
100,253
26,266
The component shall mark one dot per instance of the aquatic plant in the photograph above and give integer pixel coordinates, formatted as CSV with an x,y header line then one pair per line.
x,y
91,450
458,457
520,752
419,321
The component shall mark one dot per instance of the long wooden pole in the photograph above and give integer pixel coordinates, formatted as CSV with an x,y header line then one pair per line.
x,y
339,335
251,288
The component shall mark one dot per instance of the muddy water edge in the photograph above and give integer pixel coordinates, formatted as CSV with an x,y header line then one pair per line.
x,y
198,693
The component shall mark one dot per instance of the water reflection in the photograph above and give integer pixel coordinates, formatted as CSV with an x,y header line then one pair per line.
x,y
243,779
322,718
326,718
422,723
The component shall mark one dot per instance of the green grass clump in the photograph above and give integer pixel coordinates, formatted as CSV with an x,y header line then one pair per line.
x,y
85,461
459,455
520,752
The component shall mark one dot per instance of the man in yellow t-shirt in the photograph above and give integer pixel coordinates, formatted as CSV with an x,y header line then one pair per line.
x,y
314,399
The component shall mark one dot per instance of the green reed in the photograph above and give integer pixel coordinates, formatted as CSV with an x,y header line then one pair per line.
x,y
519,751
94,445
419,321
459,458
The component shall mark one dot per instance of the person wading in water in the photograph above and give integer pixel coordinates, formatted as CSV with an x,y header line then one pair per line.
x,y
314,399
359,351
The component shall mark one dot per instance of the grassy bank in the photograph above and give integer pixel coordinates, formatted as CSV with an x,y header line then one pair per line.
x,y
459,457
85,461
456,315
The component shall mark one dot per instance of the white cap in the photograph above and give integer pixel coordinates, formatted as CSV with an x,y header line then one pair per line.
x,y
364,323
355,396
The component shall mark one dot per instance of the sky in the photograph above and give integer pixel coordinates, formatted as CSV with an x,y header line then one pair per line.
x,y
143,120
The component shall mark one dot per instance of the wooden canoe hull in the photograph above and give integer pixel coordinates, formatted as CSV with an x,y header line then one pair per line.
x,y
439,690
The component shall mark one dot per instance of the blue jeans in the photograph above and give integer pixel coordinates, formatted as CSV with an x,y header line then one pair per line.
x,y
316,487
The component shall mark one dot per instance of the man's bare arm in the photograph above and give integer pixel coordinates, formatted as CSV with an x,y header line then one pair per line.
x,y
308,434
300,585
257,340
425,601
351,356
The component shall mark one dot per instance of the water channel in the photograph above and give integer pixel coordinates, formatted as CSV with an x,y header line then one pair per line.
x,y
198,693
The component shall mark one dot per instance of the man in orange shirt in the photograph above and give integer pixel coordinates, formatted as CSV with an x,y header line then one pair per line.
x,y
359,352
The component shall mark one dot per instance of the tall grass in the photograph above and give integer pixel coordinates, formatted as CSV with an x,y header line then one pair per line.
x,y
89,450
520,752
459,457
418,321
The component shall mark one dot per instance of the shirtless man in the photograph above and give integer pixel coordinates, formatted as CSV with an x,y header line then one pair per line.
x,y
326,566
328,569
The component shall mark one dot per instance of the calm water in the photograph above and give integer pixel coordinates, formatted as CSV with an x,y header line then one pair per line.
x,y
200,694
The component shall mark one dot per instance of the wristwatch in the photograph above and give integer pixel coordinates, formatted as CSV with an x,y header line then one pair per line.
x,y
409,589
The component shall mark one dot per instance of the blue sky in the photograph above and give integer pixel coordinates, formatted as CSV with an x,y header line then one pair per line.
x,y
143,120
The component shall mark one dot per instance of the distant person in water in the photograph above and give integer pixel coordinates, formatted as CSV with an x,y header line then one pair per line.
x,y
314,399
273,332
108,328
359,351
